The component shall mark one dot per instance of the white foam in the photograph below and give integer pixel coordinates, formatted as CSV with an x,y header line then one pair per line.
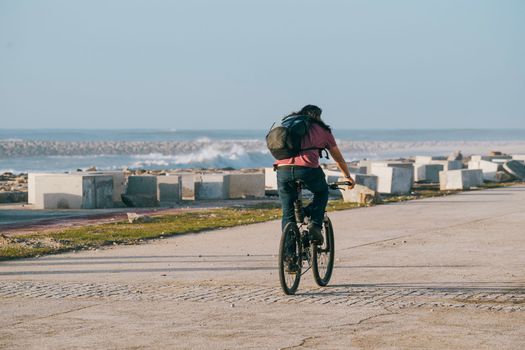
x,y
206,153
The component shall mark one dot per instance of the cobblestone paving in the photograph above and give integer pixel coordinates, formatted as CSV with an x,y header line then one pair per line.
x,y
503,300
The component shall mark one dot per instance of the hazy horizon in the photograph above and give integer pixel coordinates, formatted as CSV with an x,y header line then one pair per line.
x,y
262,128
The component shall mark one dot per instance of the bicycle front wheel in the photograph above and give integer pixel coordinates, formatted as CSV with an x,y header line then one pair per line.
x,y
323,256
290,262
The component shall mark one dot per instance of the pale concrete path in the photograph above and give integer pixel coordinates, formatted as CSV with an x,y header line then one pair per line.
x,y
436,273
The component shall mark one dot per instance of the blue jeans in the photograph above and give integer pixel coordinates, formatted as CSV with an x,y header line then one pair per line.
x,y
314,180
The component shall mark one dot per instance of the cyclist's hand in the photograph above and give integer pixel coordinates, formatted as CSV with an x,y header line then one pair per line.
x,y
351,182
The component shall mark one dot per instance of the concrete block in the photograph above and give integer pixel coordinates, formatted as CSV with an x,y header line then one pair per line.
x,y
210,186
427,172
519,157
332,175
143,185
477,158
501,160
393,180
336,175
515,168
270,179
489,169
369,181
119,184
72,191
58,192
496,158
31,188
392,164
353,169
429,159
369,165
141,191
245,185
97,191
460,179
357,169
366,164
408,175
168,189
187,186
450,164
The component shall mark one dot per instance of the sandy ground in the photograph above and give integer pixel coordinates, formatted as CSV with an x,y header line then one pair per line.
x,y
435,273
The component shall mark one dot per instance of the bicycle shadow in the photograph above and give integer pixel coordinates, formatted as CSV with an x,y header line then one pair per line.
x,y
442,287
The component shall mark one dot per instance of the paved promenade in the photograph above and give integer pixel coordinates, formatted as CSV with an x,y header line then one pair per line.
x,y
436,273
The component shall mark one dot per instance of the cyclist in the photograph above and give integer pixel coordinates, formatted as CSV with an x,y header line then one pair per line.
x,y
305,167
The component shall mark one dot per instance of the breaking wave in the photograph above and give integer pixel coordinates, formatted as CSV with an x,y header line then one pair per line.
x,y
38,155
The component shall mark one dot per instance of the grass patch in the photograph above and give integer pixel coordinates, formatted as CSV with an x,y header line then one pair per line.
x,y
15,251
95,236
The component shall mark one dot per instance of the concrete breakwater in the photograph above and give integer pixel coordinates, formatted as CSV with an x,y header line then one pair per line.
x,y
11,149
147,188
354,149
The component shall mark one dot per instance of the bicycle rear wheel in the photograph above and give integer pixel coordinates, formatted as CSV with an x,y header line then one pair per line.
x,y
323,256
290,255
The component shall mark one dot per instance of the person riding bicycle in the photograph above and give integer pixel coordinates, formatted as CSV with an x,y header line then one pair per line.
x,y
305,167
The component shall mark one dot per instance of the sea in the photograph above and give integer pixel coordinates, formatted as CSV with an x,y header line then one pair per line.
x,y
63,150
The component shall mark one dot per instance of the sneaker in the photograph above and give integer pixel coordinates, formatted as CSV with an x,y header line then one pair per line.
x,y
315,234
290,266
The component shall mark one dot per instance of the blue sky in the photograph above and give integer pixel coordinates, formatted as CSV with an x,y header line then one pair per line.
x,y
242,64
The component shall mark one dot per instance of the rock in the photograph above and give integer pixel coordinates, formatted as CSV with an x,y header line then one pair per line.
x,y
455,156
360,194
495,153
21,179
135,218
515,168
13,197
93,168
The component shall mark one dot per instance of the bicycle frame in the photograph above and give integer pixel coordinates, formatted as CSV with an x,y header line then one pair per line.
x,y
320,258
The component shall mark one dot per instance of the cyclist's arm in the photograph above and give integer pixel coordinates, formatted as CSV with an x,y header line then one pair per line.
x,y
341,163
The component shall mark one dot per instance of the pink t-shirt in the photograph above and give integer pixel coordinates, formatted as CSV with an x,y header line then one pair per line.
x,y
317,137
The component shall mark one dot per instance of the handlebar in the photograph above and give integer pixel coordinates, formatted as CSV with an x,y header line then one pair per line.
x,y
335,185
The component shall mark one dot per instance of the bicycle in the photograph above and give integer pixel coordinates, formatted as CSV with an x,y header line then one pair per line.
x,y
296,248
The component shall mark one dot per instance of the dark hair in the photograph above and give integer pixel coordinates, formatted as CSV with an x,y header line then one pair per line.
x,y
314,112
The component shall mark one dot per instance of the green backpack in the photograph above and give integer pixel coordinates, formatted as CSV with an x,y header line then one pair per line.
x,y
284,141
